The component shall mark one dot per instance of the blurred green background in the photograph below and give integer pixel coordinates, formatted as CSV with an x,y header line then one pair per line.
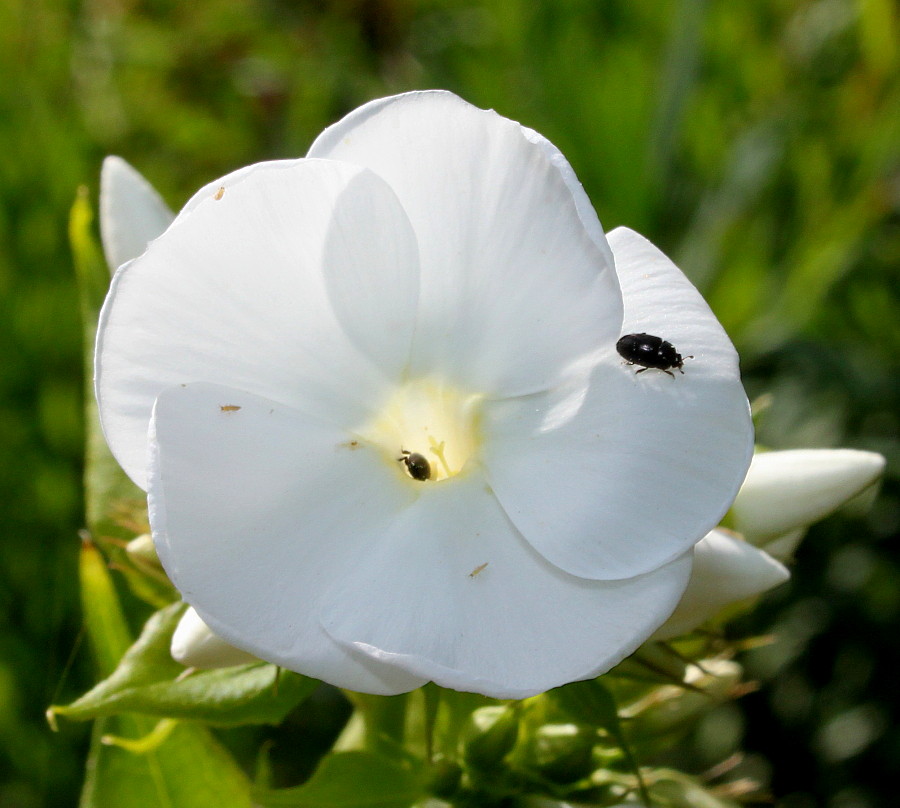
x,y
757,143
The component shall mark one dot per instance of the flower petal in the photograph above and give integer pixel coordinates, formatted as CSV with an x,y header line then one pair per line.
x,y
792,489
195,645
517,277
132,213
255,509
453,593
783,547
298,282
219,187
613,474
726,570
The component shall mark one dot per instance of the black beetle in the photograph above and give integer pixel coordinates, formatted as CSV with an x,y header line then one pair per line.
x,y
650,352
417,465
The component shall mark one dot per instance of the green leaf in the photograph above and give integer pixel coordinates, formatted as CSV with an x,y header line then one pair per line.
x,y
90,266
115,506
147,681
591,703
187,768
107,630
351,780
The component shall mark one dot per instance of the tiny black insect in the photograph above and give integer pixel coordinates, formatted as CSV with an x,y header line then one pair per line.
x,y
650,352
417,465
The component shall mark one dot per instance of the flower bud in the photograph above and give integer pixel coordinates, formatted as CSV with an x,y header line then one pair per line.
x,y
562,753
444,778
726,570
195,645
489,736
784,491
668,707
142,551
132,213
677,790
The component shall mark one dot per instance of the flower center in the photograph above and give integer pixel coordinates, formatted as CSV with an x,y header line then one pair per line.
x,y
427,429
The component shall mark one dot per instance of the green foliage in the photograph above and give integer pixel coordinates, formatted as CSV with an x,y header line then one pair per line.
x,y
489,737
182,768
351,780
148,681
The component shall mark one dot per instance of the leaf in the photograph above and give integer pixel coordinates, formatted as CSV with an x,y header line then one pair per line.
x,y
105,482
150,682
107,629
186,769
90,266
351,780
591,703
114,504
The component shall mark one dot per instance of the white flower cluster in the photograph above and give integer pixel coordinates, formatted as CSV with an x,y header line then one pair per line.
x,y
375,400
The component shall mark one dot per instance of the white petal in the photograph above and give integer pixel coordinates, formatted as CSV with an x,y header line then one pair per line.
x,y
261,288
614,474
195,645
220,186
784,546
726,570
132,213
517,280
453,593
255,510
792,489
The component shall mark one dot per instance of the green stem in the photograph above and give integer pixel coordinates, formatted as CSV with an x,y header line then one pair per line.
x,y
432,696
385,721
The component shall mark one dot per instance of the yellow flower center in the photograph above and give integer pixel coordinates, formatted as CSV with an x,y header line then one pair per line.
x,y
428,420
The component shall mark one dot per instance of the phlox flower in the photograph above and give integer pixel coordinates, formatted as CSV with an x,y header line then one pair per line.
x,y
375,401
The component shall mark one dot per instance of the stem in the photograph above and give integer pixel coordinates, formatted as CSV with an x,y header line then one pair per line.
x,y
385,721
432,696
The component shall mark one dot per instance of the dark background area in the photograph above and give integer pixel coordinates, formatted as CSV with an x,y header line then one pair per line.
x,y
755,142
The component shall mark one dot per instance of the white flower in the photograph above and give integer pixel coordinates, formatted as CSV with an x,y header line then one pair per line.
x,y
431,280
787,491
726,570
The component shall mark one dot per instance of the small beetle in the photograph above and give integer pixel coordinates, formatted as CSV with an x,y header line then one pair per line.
x,y
417,465
650,352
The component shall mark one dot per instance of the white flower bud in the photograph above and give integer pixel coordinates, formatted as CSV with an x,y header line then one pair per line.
x,y
787,491
726,570
195,645
132,213
142,552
